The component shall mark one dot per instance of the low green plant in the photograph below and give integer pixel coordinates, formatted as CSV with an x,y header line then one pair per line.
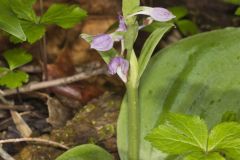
x,y
18,18
11,77
34,27
188,137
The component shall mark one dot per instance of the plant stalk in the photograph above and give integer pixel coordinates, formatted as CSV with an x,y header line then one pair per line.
x,y
132,88
43,46
133,108
133,122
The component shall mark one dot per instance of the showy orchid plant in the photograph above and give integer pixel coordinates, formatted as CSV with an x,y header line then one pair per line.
x,y
125,64
190,83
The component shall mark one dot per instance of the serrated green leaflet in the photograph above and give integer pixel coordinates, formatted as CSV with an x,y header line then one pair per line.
x,y
86,152
23,9
33,31
201,156
65,16
9,21
226,137
180,134
13,79
188,136
17,58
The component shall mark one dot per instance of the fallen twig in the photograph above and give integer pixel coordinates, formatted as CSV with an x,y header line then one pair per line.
x,y
20,124
16,107
56,82
36,140
5,155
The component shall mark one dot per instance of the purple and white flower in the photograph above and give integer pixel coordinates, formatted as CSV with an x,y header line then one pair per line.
x,y
119,66
102,42
156,13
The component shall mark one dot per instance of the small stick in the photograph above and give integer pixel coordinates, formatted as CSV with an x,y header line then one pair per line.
x,y
5,155
20,124
16,107
36,140
56,82
43,44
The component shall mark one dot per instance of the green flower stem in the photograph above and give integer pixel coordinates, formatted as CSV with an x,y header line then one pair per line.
x,y
133,125
132,88
133,109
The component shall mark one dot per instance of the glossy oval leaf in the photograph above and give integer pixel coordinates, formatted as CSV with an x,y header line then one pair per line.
x,y
86,152
9,21
198,75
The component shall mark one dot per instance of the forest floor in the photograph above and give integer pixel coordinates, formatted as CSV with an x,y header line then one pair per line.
x,y
85,111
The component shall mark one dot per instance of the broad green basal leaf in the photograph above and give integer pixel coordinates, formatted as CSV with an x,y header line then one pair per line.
x,y
16,58
198,75
9,21
86,152
13,79
65,16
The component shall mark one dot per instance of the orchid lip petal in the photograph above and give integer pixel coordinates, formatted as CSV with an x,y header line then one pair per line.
x,y
102,42
121,75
